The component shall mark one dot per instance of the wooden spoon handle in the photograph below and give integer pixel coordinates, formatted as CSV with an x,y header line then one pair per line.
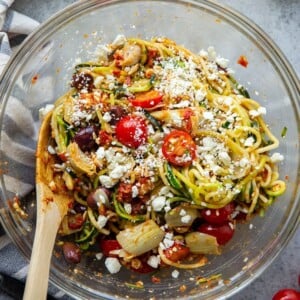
x,y
46,229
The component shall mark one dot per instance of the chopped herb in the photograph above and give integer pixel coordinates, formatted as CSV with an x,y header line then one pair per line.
x,y
284,131
226,124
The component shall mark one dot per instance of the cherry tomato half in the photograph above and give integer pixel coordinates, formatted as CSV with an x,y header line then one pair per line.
x,y
177,252
287,294
147,99
218,216
131,131
75,221
223,233
179,148
109,245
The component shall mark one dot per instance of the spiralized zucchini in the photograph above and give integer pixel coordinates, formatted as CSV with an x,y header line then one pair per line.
x,y
151,138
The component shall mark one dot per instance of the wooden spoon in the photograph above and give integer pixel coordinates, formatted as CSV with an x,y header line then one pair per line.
x,y
52,205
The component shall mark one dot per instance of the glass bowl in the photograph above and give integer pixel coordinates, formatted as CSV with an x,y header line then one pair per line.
x,y
39,73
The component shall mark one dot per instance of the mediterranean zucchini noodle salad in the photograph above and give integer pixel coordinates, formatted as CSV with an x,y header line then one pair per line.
x,y
163,152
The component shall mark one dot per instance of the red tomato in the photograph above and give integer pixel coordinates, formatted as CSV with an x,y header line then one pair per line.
x,y
218,216
109,245
75,221
243,61
179,148
105,138
131,131
187,122
287,294
147,99
223,233
177,252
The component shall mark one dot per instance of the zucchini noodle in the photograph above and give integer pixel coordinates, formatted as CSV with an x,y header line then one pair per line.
x,y
149,140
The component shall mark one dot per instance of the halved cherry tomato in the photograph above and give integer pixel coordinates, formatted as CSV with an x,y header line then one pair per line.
x,y
287,294
177,252
75,221
131,131
179,148
147,99
109,245
218,216
223,233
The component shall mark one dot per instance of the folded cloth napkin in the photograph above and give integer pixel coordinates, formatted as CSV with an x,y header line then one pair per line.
x,y
13,28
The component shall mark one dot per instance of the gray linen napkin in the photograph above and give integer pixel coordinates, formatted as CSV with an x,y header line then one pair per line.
x,y
14,27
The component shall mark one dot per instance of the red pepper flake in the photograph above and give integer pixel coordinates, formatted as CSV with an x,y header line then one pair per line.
x,y
34,79
155,279
243,61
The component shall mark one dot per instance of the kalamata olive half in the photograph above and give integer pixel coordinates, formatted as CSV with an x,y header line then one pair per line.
x,y
116,113
82,81
85,138
100,195
72,252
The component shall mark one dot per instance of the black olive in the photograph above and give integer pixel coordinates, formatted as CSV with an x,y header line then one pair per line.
x,y
85,138
117,112
82,81
72,252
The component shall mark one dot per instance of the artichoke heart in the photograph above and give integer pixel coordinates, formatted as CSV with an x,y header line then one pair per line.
x,y
79,161
140,239
181,216
68,109
58,130
202,243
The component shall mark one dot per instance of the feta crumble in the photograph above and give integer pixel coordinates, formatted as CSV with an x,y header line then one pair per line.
x,y
113,265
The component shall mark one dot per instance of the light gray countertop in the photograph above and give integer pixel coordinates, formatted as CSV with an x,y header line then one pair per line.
x,y
280,19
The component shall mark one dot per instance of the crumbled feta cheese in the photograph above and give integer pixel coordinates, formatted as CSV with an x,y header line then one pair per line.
x,y
100,153
186,219
102,220
211,53
208,115
107,117
158,203
277,157
182,212
134,191
128,208
118,172
222,62
244,162
249,141
102,52
107,181
255,113
154,261
51,150
112,264
99,255
175,274
44,110
203,53
224,157
119,40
